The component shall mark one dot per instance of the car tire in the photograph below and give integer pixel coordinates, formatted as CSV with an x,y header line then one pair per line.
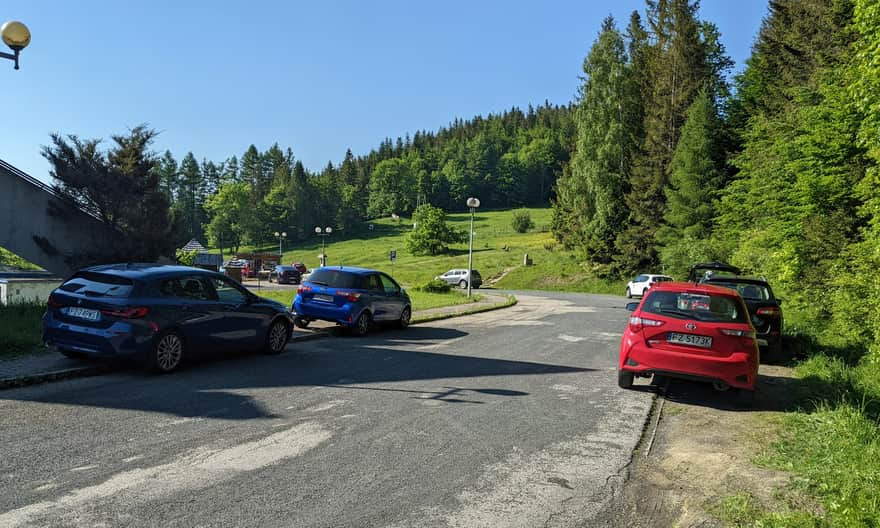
x,y
629,294
167,353
300,322
462,284
362,325
625,379
405,316
72,354
277,337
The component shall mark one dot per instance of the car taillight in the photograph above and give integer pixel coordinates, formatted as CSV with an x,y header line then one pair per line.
x,y
53,302
349,296
738,333
303,289
769,311
637,323
128,313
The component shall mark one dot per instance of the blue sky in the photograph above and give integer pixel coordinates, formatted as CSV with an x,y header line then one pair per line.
x,y
319,77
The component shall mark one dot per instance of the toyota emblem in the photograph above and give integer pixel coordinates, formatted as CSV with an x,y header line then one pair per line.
x,y
691,326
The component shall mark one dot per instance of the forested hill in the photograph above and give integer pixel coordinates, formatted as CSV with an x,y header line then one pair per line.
x,y
780,178
507,160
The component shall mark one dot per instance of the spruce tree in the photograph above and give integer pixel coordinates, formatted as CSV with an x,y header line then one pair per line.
x,y
590,197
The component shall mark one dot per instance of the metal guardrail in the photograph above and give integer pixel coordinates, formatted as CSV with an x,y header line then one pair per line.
x,y
44,187
28,178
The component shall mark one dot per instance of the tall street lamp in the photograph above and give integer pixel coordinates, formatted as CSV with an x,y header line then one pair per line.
x,y
17,36
281,236
473,203
323,233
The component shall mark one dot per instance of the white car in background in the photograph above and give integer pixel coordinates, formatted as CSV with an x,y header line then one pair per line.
x,y
641,284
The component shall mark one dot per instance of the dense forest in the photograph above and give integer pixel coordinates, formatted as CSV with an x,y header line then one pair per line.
x,y
510,159
776,173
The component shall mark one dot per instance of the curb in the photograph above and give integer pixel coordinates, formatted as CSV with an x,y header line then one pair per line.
x,y
98,369
511,301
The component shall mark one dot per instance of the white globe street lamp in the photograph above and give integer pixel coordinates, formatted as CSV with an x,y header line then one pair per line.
x,y
323,233
473,203
281,236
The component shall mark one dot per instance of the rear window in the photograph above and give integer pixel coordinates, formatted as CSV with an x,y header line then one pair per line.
x,y
749,292
476,274
287,268
699,306
95,284
335,279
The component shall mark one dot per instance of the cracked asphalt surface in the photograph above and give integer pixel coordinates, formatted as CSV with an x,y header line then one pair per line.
x,y
506,418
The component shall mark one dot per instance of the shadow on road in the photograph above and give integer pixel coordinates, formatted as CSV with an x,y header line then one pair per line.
x,y
774,393
208,388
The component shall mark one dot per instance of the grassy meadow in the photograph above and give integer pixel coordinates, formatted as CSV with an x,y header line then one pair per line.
x,y
553,267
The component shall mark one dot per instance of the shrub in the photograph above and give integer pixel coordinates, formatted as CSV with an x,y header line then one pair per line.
x,y
522,221
435,286
20,328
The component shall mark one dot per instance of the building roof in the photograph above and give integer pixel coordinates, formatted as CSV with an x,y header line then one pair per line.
x,y
194,245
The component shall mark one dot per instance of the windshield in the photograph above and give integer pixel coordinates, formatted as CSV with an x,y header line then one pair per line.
x,y
699,306
98,285
334,278
748,291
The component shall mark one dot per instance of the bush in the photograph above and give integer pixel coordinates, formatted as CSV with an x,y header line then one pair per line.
x,y
20,328
522,221
435,286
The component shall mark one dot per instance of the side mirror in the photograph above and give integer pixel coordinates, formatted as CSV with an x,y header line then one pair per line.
x,y
631,306
779,301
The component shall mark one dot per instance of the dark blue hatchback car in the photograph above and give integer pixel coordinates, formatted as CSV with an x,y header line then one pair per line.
x,y
160,314
352,297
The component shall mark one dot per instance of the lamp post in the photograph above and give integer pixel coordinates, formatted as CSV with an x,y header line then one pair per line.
x,y
281,236
323,233
473,203
17,36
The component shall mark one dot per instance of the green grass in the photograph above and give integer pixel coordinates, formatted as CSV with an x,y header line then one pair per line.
x,y
553,267
20,329
420,300
743,510
833,444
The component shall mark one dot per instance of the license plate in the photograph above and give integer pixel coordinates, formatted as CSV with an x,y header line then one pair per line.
x,y
325,298
83,313
690,339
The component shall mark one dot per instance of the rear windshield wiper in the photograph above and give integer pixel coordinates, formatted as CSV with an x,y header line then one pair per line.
x,y
686,315
91,293
318,282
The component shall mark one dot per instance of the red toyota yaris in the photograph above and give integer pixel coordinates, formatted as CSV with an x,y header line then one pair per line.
x,y
690,331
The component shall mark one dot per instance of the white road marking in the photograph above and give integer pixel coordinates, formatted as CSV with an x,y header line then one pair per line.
x,y
83,468
326,406
199,469
570,338
132,459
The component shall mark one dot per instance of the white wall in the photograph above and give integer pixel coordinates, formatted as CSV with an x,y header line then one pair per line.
x,y
26,290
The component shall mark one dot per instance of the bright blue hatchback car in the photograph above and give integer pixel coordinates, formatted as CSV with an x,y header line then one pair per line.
x,y
160,314
352,297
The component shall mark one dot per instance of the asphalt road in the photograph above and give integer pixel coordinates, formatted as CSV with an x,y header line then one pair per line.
x,y
506,418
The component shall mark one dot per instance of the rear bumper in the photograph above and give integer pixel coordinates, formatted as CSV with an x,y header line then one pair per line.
x,y
738,370
335,314
119,340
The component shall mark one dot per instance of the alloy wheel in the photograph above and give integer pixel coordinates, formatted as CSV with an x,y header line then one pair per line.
x,y
169,352
277,337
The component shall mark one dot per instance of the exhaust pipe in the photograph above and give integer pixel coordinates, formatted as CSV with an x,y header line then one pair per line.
x,y
720,386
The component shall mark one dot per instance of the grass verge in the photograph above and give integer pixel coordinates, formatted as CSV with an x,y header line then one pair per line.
x,y
511,300
20,329
420,300
833,443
